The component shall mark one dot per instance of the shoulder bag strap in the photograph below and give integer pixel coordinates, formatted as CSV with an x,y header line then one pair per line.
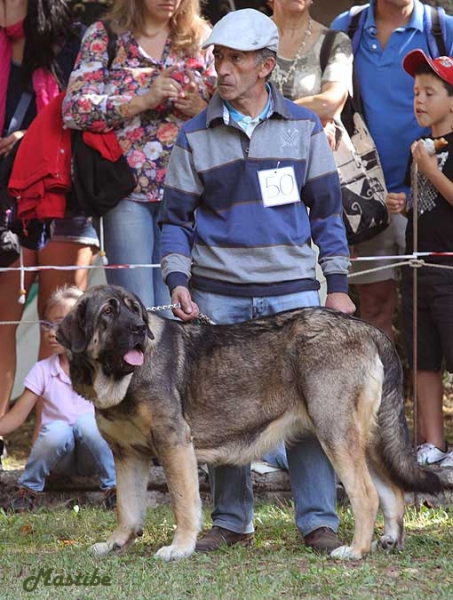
x,y
326,48
435,26
112,37
355,27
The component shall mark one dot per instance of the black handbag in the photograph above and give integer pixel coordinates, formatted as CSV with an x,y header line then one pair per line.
x,y
98,184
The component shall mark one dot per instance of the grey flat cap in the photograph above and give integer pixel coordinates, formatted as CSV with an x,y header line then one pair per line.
x,y
244,30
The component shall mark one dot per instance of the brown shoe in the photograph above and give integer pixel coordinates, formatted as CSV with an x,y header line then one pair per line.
x,y
218,537
322,539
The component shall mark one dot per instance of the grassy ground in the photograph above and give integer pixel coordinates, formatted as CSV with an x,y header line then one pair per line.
x,y
277,567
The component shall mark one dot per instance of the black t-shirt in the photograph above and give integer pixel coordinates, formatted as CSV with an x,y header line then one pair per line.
x,y
435,214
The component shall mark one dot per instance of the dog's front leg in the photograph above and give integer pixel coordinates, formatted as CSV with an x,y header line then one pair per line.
x,y
181,470
132,475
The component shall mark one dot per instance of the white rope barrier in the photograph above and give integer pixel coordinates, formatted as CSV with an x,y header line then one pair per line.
x,y
412,260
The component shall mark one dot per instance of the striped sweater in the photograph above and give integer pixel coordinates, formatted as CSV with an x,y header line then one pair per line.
x,y
216,230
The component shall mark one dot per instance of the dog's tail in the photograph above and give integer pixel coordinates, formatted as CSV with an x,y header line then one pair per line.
x,y
395,447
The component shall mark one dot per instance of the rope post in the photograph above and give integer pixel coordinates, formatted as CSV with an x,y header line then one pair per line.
x,y
415,316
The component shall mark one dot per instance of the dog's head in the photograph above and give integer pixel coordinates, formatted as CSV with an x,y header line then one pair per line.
x,y
107,327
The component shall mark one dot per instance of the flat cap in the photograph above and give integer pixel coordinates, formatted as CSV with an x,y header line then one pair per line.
x,y
245,30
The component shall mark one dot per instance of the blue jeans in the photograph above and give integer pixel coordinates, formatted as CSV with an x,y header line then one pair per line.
x,y
311,474
65,449
132,236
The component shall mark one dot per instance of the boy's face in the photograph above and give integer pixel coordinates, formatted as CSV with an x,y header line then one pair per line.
x,y
48,327
433,107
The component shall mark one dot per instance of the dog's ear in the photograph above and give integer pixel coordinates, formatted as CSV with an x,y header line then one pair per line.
x,y
76,329
144,312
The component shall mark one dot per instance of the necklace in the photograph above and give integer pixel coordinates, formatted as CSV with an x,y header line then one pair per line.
x,y
279,75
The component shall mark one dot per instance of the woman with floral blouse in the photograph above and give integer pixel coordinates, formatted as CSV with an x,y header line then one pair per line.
x,y
158,78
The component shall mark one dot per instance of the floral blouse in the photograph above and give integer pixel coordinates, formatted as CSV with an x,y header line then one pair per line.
x,y
97,95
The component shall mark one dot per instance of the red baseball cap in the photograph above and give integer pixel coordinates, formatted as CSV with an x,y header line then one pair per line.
x,y
442,66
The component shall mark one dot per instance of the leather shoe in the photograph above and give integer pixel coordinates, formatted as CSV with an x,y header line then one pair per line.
x,y
322,539
218,537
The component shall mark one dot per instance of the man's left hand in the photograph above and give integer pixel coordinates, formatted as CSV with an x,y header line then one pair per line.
x,y
340,301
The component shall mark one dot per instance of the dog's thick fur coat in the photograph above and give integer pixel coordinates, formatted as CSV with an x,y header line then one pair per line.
x,y
227,393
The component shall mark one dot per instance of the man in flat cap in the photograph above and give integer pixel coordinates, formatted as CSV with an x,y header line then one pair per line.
x,y
251,182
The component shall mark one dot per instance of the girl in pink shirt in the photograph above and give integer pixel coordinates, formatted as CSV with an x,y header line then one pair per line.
x,y
69,441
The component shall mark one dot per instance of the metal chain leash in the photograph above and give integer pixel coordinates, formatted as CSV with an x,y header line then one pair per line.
x,y
164,307
201,319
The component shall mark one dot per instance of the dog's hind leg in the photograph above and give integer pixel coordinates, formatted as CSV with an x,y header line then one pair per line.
x,y
393,506
132,475
353,473
181,470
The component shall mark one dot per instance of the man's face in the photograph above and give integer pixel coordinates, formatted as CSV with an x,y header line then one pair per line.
x,y
239,74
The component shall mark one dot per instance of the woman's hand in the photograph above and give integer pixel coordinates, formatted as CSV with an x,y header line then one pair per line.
x,y
7,143
330,131
164,87
189,101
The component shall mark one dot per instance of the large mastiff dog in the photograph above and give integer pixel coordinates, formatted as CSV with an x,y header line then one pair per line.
x,y
227,393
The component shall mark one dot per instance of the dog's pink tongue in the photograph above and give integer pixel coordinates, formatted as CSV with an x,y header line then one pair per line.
x,y
134,357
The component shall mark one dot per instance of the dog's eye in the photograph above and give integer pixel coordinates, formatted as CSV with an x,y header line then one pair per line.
x,y
136,308
108,310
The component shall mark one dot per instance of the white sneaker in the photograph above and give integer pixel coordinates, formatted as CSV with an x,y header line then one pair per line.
x,y
447,461
428,454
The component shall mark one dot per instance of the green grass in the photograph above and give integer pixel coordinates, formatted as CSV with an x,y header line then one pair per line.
x,y
277,566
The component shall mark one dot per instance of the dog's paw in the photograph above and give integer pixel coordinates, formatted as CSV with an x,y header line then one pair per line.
x,y
100,549
385,542
346,553
169,553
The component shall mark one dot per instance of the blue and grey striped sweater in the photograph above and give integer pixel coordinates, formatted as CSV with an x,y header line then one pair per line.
x,y
215,228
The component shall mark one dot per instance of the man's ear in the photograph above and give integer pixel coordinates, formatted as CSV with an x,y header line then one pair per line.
x,y
267,66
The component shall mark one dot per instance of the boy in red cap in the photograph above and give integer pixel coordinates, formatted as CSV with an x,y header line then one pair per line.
x,y
431,179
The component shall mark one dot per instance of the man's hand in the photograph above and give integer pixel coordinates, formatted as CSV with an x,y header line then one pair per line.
x,y
396,202
340,301
189,310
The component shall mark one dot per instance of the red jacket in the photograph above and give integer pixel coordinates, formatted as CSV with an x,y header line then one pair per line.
x,y
41,174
